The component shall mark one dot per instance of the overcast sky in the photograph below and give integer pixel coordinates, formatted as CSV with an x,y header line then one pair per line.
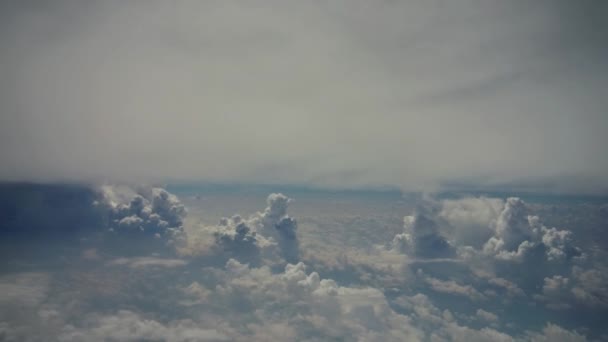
x,y
414,94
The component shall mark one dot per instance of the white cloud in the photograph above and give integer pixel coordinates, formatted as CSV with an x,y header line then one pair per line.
x,y
422,238
248,239
512,226
152,211
471,218
517,233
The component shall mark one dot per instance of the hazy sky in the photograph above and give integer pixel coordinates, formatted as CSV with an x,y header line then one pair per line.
x,y
413,94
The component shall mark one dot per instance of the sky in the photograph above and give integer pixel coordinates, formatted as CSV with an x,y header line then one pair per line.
x,y
416,95
303,170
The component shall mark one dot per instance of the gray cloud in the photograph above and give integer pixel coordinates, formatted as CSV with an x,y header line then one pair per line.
x,y
409,94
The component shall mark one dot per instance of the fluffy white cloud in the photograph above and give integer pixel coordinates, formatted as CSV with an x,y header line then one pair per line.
x,y
269,234
422,238
506,229
153,211
512,254
471,219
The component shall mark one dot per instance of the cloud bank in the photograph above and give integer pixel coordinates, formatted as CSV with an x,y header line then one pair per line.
x,y
263,276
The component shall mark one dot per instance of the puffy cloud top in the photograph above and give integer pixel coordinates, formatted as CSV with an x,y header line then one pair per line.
x,y
517,233
152,211
422,238
255,237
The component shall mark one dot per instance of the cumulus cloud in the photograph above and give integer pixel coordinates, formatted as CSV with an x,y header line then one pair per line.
x,y
512,255
235,237
422,238
517,233
470,219
505,230
151,211
275,223
269,234
235,280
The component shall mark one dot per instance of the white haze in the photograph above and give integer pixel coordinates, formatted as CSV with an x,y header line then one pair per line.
x,y
414,94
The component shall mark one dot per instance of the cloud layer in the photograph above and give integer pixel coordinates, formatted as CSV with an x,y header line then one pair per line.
x,y
409,94
464,269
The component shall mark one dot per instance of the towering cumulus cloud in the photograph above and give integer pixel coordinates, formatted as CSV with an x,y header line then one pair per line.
x,y
151,211
269,234
422,238
276,223
517,234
